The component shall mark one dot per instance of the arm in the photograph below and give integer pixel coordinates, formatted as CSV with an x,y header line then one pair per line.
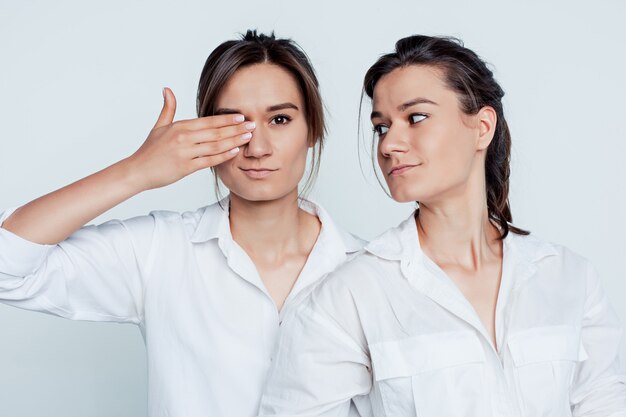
x,y
49,263
97,274
171,152
599,386
321,361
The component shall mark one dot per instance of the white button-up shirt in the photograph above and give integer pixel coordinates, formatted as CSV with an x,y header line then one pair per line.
x,y
392,330
208,322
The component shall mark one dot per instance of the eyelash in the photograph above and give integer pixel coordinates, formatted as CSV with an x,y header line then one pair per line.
x,y
376,129
278,116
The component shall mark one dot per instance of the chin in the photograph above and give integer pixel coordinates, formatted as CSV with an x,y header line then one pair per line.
x,y
402,198
404,195
260,193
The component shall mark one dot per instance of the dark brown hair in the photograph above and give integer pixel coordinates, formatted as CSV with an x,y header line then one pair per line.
x,y
468,76
254,48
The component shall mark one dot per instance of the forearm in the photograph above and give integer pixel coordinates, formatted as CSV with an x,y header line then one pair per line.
x,y
171,152
51,218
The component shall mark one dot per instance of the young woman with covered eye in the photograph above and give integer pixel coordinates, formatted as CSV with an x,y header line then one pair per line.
x,y
208,288
455,312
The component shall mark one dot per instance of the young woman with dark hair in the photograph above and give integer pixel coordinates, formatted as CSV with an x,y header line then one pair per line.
x,y
455,312
207,288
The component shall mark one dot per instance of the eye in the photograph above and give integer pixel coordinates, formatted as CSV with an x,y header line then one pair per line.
x,y
380,130
280,119
416,118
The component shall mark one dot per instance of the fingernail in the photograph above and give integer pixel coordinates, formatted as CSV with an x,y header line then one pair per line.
x,y
247,135
234,150
239,118
163,91
250,125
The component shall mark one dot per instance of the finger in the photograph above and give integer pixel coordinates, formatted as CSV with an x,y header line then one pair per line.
x,y
169,109
213,160
213,135
212,122
215,148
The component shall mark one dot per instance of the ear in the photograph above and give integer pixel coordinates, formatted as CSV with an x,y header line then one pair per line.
x,y
487,119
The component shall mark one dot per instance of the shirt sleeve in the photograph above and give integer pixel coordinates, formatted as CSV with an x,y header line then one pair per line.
x,y
98,273
599,386
320,362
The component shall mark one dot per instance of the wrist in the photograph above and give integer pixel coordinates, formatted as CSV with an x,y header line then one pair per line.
x,y
130,176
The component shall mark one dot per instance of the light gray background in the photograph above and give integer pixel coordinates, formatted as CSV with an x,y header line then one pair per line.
x,y
80,88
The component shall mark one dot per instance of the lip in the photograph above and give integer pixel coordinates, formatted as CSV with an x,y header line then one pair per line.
x,y
401,169
257,173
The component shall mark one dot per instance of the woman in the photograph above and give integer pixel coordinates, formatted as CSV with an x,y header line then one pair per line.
x,y
455,312
207,288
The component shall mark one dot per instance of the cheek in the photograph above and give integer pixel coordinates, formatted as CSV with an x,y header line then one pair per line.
x,y
222,170
294,161
292,144
450,150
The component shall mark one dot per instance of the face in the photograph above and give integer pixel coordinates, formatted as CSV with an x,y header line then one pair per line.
x,y
427,147
271,165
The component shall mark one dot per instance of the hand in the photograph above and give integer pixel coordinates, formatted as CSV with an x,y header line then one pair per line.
x,y
174,150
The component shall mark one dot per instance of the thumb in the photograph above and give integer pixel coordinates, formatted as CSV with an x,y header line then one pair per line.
x,y
169,109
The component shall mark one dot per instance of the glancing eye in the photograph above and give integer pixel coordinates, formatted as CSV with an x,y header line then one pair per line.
x,y
280,119
416,118
380,130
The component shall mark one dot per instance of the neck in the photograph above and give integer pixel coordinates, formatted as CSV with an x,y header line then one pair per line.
x,y
456,229
268,227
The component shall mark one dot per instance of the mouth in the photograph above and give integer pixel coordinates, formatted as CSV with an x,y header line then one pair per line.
x,y
401,169
257,172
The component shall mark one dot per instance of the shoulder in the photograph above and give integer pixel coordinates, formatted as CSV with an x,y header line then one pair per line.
x,y
376,264
362,266
544,251
556,265
355,292
175,217
362,274
188,221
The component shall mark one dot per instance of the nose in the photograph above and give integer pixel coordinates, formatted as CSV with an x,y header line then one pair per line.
x,y
394,141
259,145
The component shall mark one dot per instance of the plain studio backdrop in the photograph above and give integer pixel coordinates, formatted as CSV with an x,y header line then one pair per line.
x,y
81,87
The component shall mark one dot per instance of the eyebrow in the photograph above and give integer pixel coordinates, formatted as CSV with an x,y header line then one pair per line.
x,y
275,107
282,106
402,107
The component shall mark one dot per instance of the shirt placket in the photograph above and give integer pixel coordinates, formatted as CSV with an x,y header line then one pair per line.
x,y
429,283
523,271
503,401
241,264
516,272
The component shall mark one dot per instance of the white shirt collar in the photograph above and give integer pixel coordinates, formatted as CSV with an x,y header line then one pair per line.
x,y
402,242
332,247
214,224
